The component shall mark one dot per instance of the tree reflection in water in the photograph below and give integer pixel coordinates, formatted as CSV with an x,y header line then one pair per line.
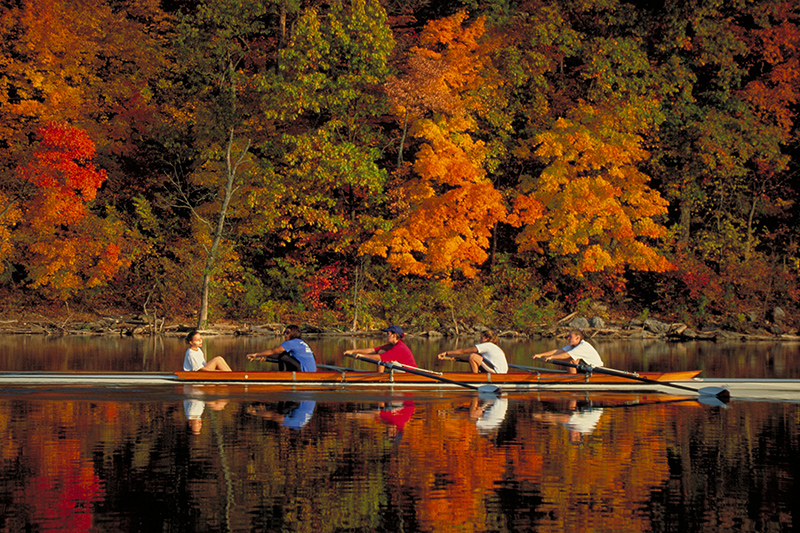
x,y
435,461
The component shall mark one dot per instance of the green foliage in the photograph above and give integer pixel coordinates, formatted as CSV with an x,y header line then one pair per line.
x,y
531,312
541,149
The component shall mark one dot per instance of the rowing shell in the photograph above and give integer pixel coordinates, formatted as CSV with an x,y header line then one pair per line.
x,y
770,389
519,381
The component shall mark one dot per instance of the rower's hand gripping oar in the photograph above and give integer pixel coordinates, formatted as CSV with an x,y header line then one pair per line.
x,y
488,389
721,394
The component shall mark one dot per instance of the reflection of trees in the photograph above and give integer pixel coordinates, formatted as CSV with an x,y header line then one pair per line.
x,y
56,484
136,467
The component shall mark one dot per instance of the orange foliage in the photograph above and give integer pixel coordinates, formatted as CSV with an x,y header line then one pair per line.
x,y
64,177
449,209
62,244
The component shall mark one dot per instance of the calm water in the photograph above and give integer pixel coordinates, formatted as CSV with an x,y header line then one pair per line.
x,y
225,458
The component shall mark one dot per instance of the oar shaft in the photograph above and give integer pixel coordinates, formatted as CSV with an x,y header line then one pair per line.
x,y
412,370
536,369
626,375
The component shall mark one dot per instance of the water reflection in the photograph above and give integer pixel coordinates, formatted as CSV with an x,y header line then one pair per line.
x,y
292,415
488,413
97,459
392,415
578,418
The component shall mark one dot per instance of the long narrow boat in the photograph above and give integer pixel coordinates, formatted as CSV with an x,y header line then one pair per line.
x,y
662,382
349,378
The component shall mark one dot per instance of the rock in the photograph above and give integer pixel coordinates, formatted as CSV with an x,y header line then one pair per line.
x,y
778,315
597,323
775,329
656,326
677,329
727,335
688,333
579,323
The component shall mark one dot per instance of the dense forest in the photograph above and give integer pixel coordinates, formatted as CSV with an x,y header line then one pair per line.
x,y
369,161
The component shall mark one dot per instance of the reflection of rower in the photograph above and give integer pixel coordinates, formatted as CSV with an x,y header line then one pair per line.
x,y
488,415
397,417
584,421
193,409
581,419
293,415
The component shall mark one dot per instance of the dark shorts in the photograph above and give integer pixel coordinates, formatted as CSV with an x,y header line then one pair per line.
x,y
287,363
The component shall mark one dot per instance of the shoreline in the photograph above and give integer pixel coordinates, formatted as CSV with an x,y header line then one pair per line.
x,y
138,326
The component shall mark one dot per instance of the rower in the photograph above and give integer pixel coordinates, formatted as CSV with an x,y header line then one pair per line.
x,y
195,359
486,356
577,351
293,355
394,350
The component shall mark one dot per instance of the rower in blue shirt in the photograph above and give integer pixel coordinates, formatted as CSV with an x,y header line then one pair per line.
x,y
293,355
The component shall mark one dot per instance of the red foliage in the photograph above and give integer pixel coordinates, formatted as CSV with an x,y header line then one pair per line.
x,y
63,174
323,286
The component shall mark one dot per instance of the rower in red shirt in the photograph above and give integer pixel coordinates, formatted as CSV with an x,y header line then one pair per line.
x,y
394,350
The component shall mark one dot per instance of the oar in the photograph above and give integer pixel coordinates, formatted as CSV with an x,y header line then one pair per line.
x,y
717,392
338,368
535,369
489,389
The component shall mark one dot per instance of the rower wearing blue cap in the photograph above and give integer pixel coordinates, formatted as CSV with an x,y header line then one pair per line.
x,y
394,350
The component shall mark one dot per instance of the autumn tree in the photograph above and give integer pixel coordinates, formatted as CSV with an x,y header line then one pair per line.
x,y
324,102
86,63
582,88
57,240
217,104
444,206
322,105
733,81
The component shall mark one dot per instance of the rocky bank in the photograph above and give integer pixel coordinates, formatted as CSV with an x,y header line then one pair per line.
x,y
777,329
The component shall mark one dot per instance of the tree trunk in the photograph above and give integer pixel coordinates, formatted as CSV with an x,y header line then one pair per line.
x,y
686,220
211,257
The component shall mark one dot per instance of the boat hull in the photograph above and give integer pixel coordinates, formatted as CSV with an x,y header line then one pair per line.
x,y
758,389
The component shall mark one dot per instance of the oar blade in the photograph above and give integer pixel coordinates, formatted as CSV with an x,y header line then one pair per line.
x,y
712,401
489,390
716,392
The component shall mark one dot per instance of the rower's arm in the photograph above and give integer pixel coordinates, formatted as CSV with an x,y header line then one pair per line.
x,y
261,356
451,355
361,351
551,354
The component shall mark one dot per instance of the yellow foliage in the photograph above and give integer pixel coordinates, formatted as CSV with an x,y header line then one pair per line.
x,y
591,201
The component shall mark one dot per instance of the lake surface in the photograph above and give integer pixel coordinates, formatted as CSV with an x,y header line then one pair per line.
x,y
227,458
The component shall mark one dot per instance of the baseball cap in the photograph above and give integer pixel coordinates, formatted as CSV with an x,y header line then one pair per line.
x,y
397,330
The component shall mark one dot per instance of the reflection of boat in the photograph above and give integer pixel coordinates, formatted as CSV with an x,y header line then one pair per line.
x,y
784,389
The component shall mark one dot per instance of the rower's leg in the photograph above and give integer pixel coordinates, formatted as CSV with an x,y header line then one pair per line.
x,y
289,363
475,361
218,363
572,369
